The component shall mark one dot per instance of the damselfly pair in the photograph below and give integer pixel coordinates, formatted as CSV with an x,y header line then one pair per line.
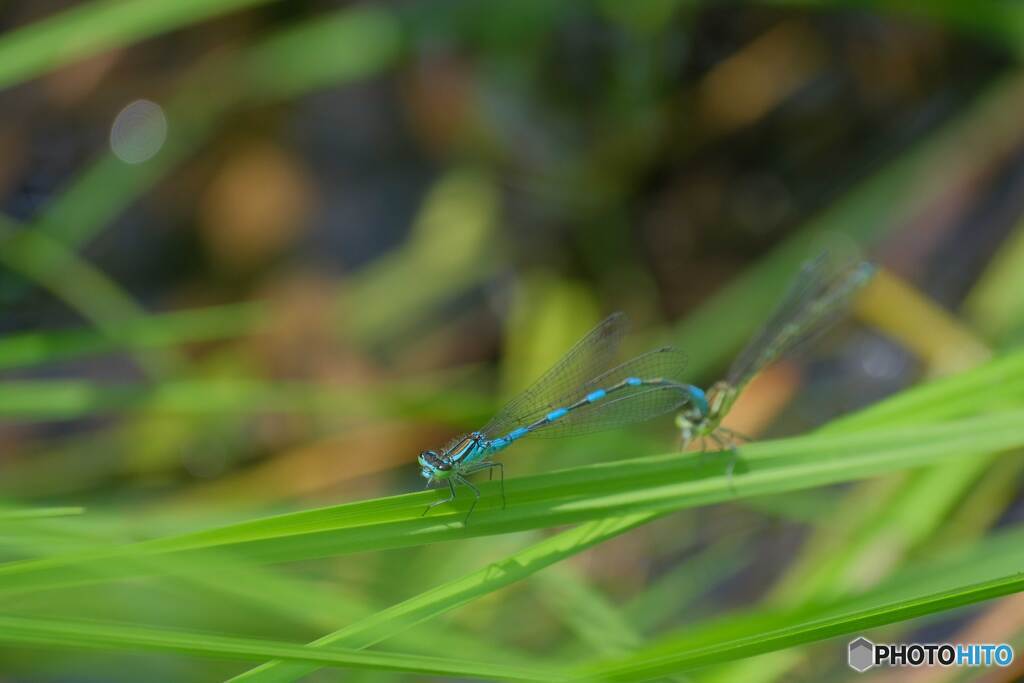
x,y
586,392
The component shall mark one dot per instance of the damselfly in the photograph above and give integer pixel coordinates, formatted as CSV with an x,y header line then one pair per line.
x,y
819,294
584,392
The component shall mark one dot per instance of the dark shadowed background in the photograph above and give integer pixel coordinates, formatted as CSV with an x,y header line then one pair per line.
x,y
255,256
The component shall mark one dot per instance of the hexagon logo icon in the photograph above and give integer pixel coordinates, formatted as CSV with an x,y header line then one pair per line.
x,y
861,655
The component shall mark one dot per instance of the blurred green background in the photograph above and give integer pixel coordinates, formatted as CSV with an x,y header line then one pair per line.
x,y
255,256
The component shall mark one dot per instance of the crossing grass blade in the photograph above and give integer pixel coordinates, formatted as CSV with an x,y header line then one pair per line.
x,y
396,619
984,571
64,634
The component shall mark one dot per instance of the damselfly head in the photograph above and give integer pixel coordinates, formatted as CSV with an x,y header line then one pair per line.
x,y
433,466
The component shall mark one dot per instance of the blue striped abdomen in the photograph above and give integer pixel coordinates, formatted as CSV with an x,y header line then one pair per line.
x,y
682,393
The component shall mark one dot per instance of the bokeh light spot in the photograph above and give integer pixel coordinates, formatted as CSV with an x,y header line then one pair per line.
x,y
139,131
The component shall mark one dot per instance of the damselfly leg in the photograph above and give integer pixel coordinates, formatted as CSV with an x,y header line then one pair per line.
x,y
450,498
734,454
489,466
457,479
476,499
734,436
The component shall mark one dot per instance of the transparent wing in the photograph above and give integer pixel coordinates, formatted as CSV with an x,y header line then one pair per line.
x,y
591,356
627,404
818,296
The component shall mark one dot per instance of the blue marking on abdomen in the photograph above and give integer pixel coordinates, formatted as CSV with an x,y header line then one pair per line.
x,y
596,395
555,414
699,398
516,434
634,381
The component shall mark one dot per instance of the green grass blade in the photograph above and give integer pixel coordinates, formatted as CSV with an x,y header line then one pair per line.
x,y
219,584
652,484
36,513
94,27
393,620
144,332
339,47
595,622
73,399
988,387
429,604
649,485
52,633
986,570
76,282
688,581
